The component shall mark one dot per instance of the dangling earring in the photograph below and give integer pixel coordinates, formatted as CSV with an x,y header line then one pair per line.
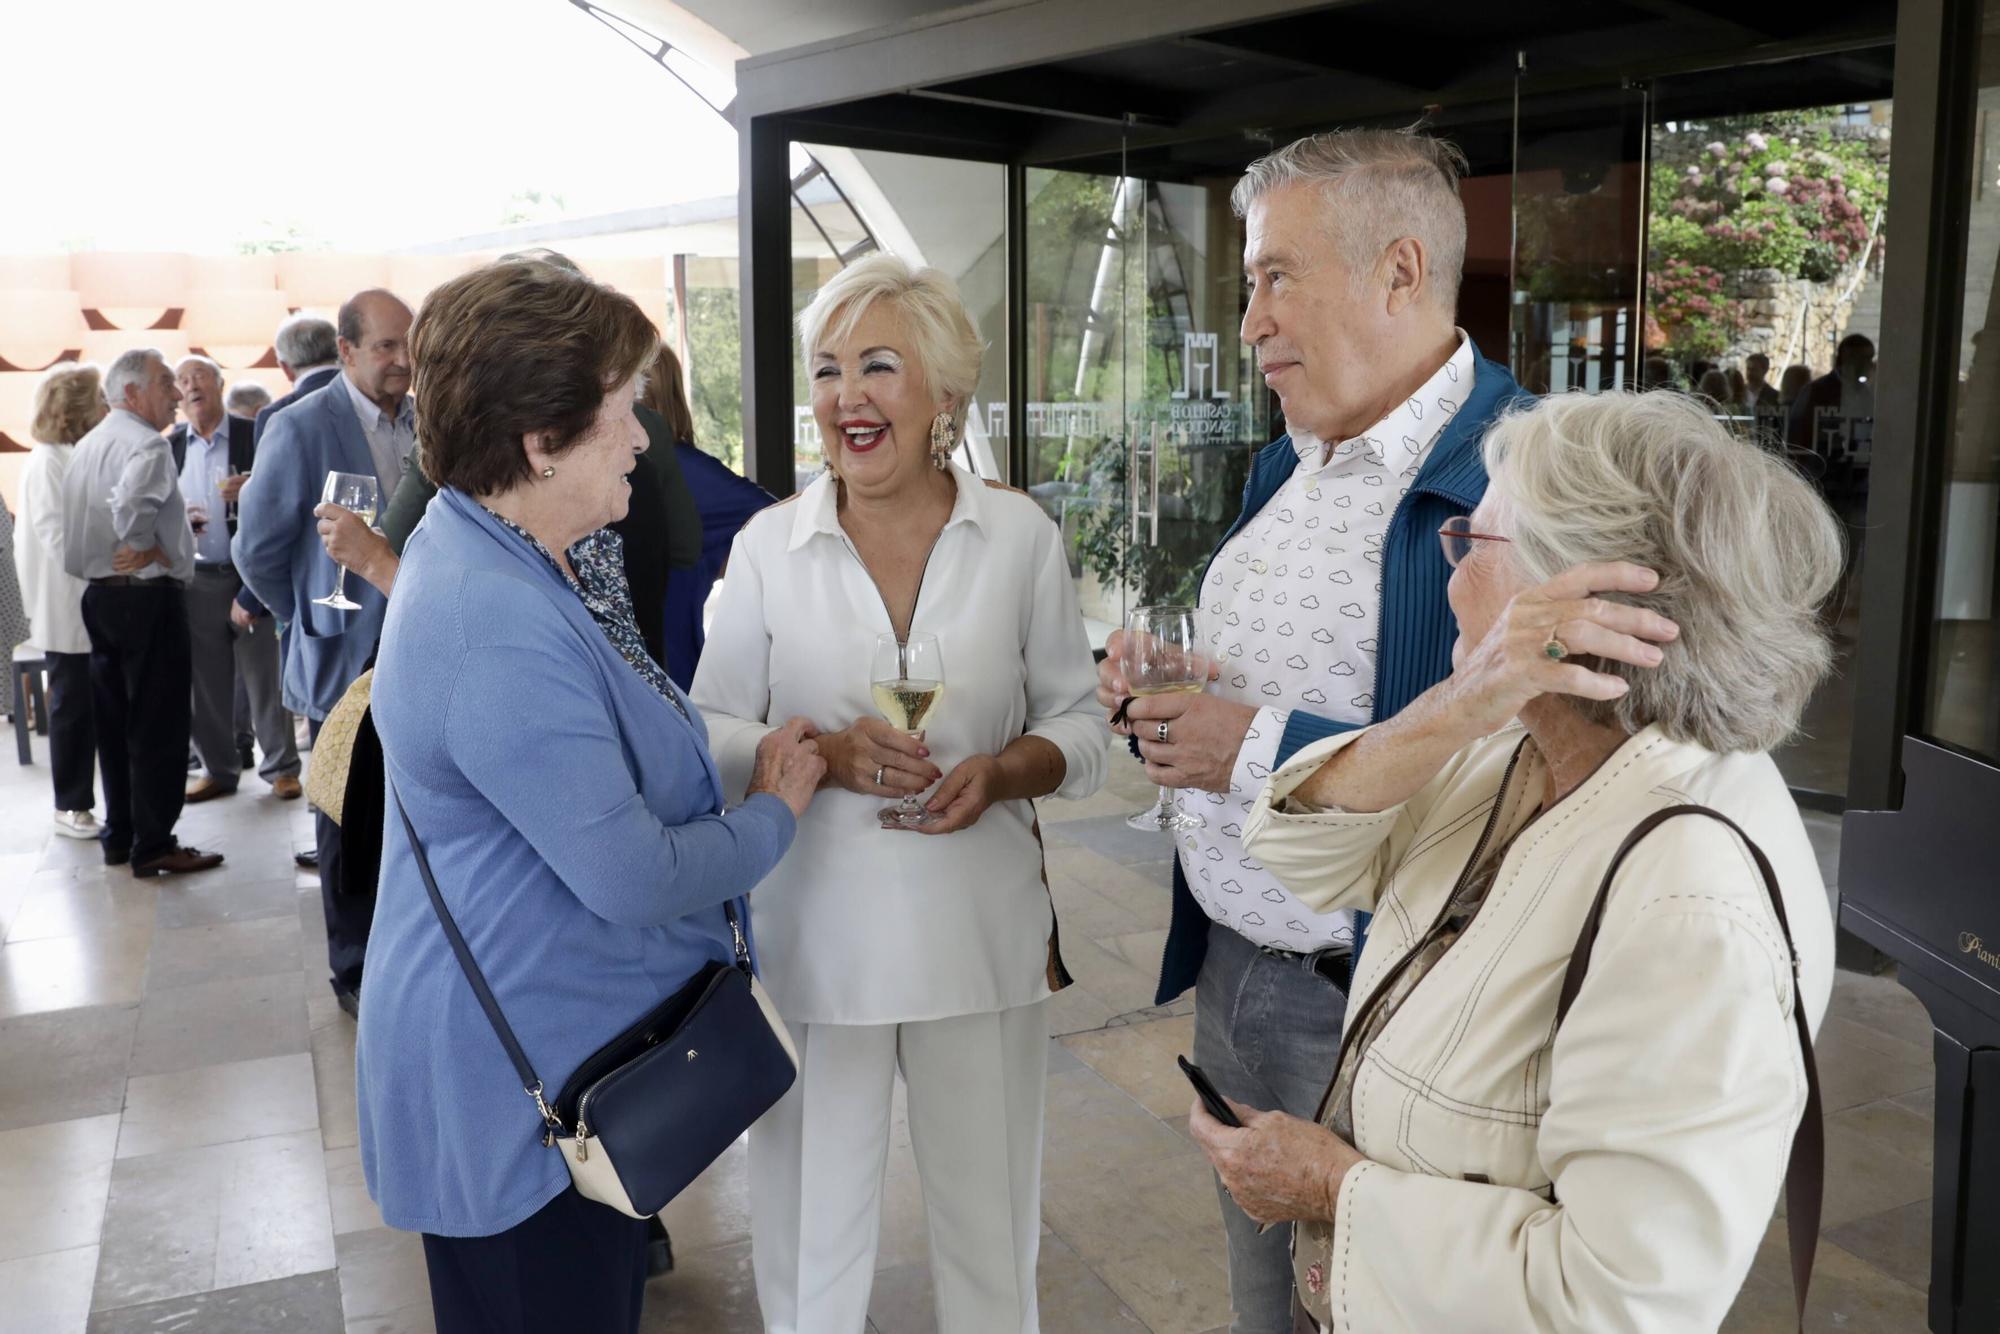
x,y
548,470
941,441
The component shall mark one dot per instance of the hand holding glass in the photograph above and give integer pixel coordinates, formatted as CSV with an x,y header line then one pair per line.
x,y
359,493
908,682
1158,658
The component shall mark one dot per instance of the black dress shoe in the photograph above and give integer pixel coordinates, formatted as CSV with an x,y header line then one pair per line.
x,y
246,759
179,860
307,860
117,856
349,1001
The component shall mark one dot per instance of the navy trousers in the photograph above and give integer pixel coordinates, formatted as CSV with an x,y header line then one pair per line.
x,y
576,1266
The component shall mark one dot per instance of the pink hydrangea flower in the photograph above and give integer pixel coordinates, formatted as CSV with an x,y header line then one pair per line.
x,y
1719,148
1757,141
1777,185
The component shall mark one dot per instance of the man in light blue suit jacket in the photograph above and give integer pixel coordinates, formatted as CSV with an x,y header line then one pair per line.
x,y
362,421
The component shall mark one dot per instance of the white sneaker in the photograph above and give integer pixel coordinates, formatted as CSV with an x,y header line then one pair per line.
x,y
76,824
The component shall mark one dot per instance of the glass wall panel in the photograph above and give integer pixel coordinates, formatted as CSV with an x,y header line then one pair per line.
x,y
1764,296
1143,407
1578,205
1962,700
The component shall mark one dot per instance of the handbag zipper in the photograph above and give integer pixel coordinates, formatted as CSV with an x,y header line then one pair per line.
x,y
1388,979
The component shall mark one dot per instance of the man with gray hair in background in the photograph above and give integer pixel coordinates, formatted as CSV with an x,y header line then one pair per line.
x,y
232,635
308,349
246,398
1324,608
126,533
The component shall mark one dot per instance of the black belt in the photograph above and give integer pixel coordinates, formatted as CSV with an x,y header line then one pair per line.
x,y
128,581
210,566
1335,963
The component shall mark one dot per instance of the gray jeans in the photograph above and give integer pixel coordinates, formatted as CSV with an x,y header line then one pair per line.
x,y
1267,1032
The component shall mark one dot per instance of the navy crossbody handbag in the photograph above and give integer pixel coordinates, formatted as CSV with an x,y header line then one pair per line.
x,y
648,1111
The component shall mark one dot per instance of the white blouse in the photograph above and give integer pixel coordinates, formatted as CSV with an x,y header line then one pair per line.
x,y
861,925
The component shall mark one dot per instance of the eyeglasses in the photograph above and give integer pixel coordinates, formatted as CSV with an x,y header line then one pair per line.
x,y
1457,538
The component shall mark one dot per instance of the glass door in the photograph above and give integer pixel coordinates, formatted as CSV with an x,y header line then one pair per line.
x,y
1143,407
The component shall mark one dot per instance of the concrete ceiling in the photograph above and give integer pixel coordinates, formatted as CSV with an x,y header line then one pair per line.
x,y
759,26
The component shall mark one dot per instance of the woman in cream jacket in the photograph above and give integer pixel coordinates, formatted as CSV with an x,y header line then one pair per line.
x,y
1637,602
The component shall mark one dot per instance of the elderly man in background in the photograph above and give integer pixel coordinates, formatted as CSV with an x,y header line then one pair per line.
x,y
126,534
1324,608
308,349
363,422
245,399
231,634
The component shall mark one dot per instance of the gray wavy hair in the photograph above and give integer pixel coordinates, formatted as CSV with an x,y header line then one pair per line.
x,y
1379,186
130,370
1746,551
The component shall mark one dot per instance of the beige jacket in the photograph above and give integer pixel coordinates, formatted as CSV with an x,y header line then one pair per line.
x,y
1616,1176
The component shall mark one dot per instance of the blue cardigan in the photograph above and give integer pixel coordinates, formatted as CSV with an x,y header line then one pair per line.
x,y
574,821
1416,628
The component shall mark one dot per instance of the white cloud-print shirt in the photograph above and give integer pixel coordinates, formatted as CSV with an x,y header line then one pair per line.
x,y
1290,609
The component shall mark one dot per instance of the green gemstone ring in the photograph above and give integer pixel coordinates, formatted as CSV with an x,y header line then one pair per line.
x,y
1556,649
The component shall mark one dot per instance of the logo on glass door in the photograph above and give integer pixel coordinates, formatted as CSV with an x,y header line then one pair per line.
x,y
1202,407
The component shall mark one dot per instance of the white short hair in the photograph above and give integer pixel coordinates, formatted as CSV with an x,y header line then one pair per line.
x,y
943,339
1746,551
129,368
1379,186
210,364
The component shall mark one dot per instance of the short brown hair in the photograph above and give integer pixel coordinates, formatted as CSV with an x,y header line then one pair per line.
x,y
666,395
515,347
68,402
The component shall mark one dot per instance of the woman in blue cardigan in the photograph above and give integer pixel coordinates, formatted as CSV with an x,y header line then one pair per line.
x,y
563,790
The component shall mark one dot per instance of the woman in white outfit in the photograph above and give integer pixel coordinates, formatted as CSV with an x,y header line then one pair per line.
x,y
924,951
68,402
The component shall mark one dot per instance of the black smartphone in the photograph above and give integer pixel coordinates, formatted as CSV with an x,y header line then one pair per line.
x,y
1210,1099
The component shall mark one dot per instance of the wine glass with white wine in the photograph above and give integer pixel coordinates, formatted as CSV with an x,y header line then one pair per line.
x,y
908,682
351,491
1158,658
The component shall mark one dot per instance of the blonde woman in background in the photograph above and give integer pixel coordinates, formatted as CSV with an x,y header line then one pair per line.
x,y
68,402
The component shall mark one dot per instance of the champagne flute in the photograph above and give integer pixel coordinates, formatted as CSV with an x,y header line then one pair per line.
x,y
359,493
1159,659
907,681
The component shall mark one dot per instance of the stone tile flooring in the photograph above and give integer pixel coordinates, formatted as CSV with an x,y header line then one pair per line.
x,y
177,1131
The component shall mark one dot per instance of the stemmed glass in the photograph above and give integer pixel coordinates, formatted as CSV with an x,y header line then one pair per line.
x,y
908,682
351,491
1158,658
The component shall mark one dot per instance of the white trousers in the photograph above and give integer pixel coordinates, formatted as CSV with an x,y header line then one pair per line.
x,y
976,1085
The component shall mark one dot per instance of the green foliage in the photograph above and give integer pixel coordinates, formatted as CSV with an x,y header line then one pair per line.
x,y
715,369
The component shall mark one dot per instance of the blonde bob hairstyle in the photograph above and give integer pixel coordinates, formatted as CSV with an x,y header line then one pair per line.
x,y
68,402
1746,550
943,339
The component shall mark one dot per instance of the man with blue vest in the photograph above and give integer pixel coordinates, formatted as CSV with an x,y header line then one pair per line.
x,y
1324,608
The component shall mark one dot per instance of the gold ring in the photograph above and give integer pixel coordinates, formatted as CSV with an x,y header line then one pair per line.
x,y
1555,649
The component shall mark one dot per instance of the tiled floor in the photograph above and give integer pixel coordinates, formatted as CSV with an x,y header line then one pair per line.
x,y
177,1131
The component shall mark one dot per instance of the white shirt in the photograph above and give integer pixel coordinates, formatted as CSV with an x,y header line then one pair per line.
x,y
390,439
53,598
198,487
121,491
1290,609
861,925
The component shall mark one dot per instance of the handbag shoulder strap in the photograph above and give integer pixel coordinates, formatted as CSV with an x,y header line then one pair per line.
x,y
1805,1173
501,1029
530,1084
